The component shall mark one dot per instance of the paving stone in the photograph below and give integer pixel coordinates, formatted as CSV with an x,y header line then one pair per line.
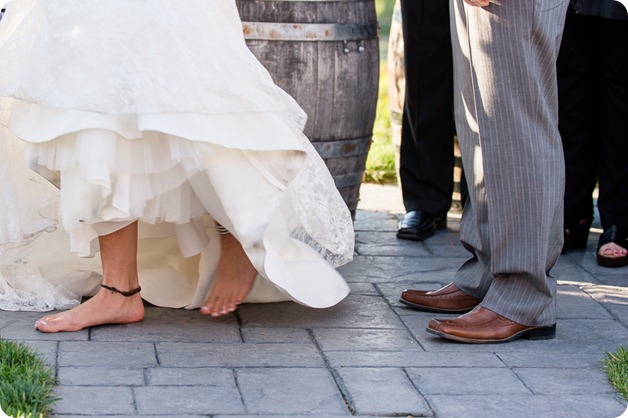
x,y
178,363
162,324
347,414
290,391
9,317
556,358
620,312
525,406
47,350
393,250
588,336
379,269
467,381
238,355
367,289
450,250
131,416
609,294
613,280
107,400
588,263
100,376
573,302
379,391
333,339
182,400
186,376
107,354
375,221
275,335
548,381
384,238
356,311
568,270
410,359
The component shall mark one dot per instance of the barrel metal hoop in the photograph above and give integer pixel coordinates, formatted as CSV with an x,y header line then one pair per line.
x,y
348,180
315,32
344,148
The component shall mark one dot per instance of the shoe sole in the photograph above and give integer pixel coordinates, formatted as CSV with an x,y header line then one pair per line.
x,y
538,333
612,261
436,310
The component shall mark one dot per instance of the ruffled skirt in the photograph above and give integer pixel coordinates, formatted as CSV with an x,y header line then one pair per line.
x,y
169,121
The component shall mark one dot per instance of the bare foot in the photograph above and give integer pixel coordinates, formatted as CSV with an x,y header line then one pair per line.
x,y
234,279
612,250
104,308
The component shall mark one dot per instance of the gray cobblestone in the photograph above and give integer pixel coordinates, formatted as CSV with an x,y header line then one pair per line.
x,y
106,400
179,400
356,311
169,324
275,335
197,376
100,376
107,354
368,356
411,359
518,406
286,391
548,381
335,339
239,355
467,381
375,391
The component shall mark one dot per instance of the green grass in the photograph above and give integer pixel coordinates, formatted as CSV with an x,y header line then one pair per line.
x,y
26,384
616,367
384,9
380,164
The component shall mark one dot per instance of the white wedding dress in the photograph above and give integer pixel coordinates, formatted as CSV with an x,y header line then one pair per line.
x,y
155,110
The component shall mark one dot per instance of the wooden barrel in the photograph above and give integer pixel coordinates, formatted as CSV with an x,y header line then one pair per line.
x,y
396,99
325,54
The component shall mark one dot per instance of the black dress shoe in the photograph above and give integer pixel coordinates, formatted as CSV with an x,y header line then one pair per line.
x,y
418,226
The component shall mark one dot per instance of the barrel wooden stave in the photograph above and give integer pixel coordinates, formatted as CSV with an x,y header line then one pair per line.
x,y
334,80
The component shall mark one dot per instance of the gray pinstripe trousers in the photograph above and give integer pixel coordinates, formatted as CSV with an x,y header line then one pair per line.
x,y
506,111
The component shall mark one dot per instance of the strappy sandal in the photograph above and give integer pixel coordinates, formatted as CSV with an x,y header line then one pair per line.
x,y
618,235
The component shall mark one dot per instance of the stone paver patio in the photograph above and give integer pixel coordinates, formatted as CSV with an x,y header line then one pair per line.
x,y
368,356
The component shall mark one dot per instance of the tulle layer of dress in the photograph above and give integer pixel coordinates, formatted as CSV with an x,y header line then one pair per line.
x,y
180,140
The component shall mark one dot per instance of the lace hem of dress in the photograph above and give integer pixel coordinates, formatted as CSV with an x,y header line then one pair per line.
x,y
23,288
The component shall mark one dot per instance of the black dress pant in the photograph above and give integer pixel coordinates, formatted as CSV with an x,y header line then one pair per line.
x,y
593,117
426,152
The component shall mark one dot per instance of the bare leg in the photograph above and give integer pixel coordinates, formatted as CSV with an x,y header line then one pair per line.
x,y
119,260
234,279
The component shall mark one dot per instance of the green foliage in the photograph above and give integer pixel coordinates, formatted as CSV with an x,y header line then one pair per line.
x,y
616,367
384,10
380,164
26,384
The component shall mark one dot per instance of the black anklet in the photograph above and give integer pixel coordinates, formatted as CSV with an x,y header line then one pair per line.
x,y
129,293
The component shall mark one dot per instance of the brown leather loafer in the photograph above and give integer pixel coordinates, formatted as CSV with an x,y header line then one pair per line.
x,y
482,326
448,299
